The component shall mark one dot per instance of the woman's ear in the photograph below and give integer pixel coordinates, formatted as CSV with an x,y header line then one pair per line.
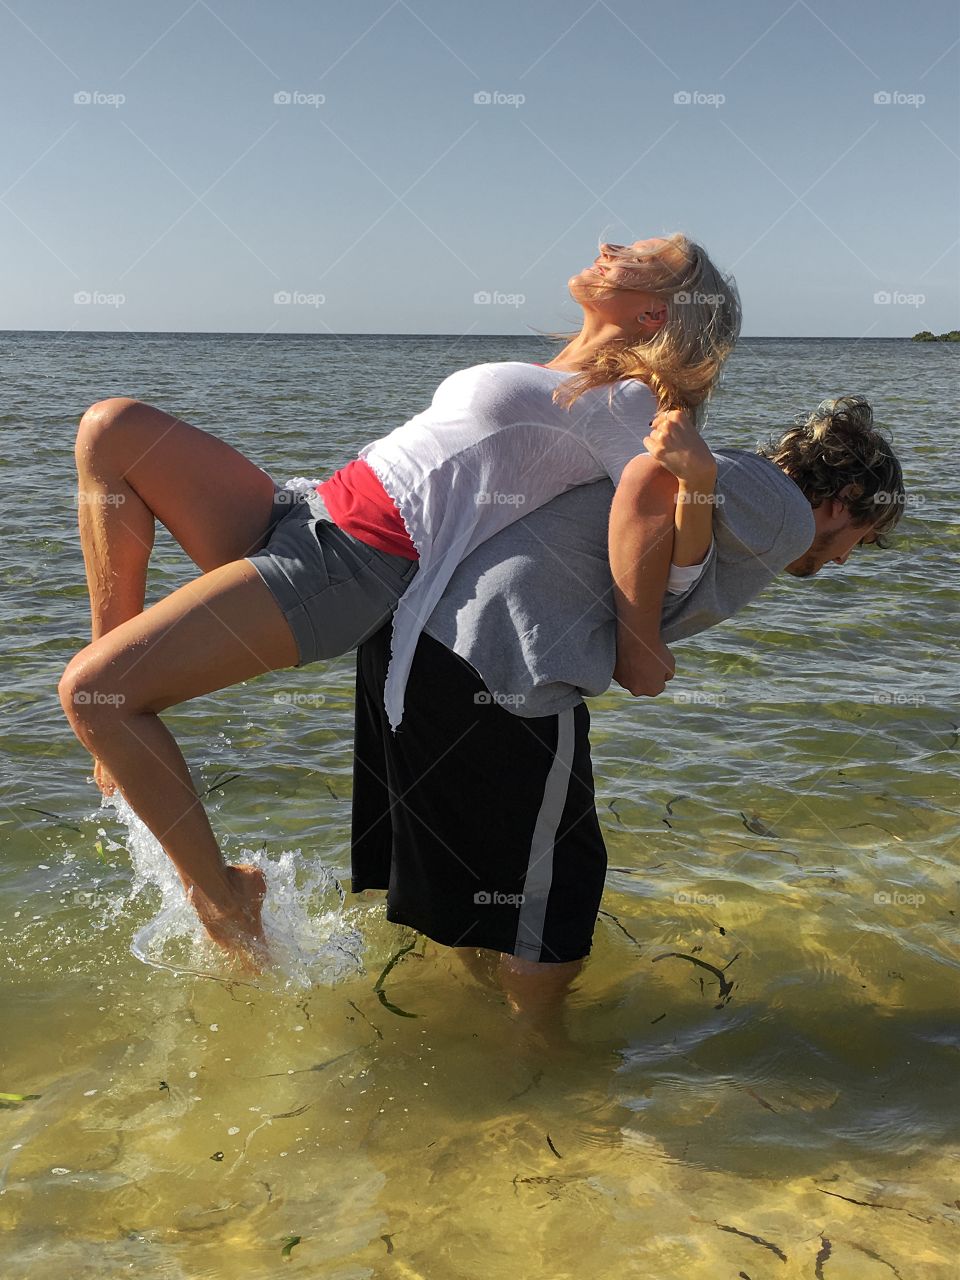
x,y
652,320
656,314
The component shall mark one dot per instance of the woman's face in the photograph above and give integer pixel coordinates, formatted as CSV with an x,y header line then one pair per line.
x,y
617,285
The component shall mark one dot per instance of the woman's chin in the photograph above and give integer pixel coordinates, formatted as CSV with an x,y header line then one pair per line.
x,y
584,287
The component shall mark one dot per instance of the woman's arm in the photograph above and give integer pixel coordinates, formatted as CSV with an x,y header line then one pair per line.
x,y
677,445
640,544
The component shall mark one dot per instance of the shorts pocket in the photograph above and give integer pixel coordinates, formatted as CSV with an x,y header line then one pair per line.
x,y
339,557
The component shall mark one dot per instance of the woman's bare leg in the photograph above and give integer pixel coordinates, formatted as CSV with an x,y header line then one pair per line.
x,y
136,465
222,628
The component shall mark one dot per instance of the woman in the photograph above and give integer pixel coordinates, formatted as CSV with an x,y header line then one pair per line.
x,y
284,584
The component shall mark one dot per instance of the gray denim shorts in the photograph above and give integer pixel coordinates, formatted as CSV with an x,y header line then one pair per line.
x,y
335,591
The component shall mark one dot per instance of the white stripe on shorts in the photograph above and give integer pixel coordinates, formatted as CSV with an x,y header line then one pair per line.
x,y
539,877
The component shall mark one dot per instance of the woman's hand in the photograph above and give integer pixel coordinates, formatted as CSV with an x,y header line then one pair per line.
x,y
677,445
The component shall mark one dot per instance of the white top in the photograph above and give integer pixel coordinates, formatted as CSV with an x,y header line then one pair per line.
x,y
491,447
683,576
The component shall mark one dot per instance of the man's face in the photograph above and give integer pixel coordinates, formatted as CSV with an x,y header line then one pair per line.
x,y
835,538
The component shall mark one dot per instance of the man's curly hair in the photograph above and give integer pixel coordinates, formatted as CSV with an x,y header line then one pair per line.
x,y
836,446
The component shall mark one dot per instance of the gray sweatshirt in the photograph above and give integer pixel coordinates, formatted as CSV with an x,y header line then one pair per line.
x,y
532,609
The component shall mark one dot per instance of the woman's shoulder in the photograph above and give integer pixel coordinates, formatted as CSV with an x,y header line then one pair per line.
x,y
627,395
633,387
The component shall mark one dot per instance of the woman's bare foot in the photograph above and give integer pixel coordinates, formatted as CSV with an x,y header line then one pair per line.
x,y
103,779
237,925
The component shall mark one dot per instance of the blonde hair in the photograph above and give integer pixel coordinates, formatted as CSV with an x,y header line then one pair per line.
x,y
681,362
836,446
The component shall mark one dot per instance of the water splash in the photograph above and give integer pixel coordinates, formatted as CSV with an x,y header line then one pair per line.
x,y
312,937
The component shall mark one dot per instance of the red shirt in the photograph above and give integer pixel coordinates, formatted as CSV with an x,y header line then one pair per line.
x,y
359,505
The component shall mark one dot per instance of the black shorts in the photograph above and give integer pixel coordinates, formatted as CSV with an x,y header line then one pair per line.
x,y
480,824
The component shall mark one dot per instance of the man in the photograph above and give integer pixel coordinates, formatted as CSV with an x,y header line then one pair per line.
x,y
478,815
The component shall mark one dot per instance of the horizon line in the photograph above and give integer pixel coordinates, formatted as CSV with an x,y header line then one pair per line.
x,y
352,333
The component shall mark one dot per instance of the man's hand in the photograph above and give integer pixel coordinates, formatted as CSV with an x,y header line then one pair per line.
x,y
677,445
643,669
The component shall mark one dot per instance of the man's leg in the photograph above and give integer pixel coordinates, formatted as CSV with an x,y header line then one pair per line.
x,y
487,839
532,987
535,991
482,964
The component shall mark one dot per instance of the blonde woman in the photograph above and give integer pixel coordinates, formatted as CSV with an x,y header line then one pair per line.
x,y
291,578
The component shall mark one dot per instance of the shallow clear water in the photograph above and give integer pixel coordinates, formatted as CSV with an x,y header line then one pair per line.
x,y
788,814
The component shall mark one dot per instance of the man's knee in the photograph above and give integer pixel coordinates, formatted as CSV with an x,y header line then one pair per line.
x,y
539,972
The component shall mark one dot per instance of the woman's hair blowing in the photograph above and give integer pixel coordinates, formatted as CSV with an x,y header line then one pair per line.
x,y
836,446
681,362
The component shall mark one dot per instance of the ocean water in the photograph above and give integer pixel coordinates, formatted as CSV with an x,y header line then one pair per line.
x,y
787,815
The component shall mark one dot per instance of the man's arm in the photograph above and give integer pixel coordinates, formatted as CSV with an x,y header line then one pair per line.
x,y
640,543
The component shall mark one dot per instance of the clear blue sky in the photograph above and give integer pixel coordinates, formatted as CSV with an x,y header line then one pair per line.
x,y
399,198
